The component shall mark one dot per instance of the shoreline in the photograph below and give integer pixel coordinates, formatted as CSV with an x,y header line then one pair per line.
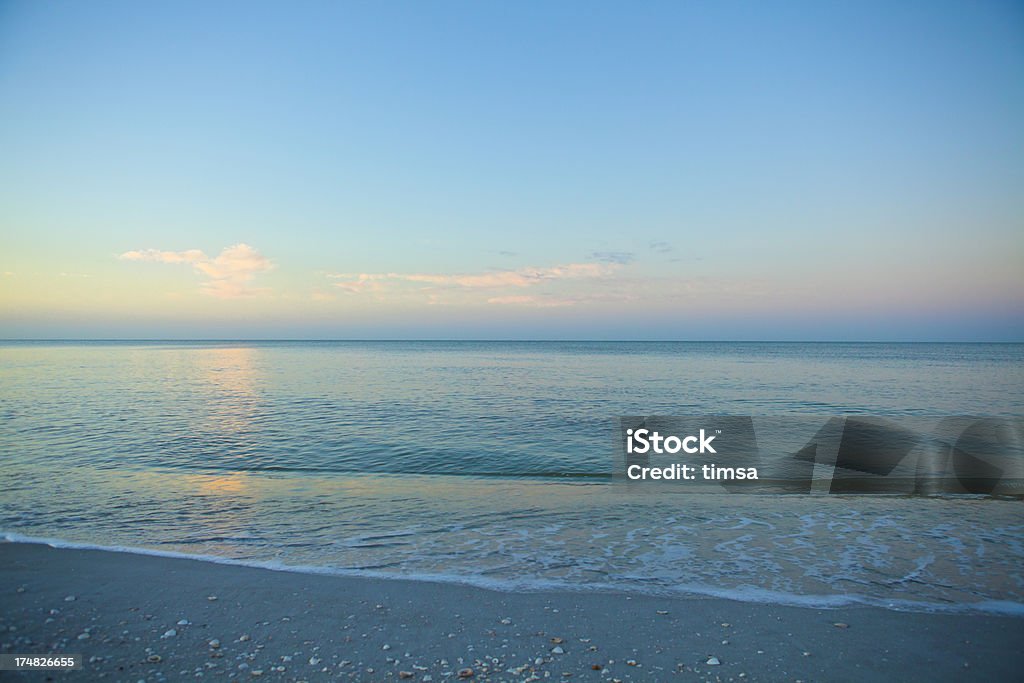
x,y
754,596
127,613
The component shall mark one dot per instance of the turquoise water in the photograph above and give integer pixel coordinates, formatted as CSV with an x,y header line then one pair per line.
x,y
488,463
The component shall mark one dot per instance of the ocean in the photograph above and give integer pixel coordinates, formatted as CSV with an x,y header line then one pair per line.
x,y
489,463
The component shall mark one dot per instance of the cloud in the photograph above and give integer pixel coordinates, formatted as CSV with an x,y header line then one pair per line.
x,y
525,300
498,279
497,285
228,275
620,257
661,247
359,282
190,256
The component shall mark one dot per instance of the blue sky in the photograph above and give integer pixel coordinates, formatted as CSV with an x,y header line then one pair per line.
x,y
513,170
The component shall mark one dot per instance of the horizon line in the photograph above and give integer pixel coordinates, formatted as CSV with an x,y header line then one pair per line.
x,y
504,340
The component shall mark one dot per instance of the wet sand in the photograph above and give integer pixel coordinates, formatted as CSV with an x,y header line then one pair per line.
x,y
136,617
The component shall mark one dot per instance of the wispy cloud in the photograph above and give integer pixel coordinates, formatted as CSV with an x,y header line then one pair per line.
x,y
620,257
357,283
548,300
229,274
490,283
497,279
528,300
661,247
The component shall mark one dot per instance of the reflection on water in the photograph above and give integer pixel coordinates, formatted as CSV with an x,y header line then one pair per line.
x,y
220,485
221,509
231,401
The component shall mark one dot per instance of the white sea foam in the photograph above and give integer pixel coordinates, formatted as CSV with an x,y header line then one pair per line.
x,y
751,594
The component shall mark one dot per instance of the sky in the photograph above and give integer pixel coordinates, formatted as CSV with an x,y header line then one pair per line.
x,y
512,170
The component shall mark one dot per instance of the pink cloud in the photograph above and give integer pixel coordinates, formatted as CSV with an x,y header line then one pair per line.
x,y
189,256
228,275
535,301
499,279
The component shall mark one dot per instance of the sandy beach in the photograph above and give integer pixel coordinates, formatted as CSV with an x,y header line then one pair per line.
x,y
136,617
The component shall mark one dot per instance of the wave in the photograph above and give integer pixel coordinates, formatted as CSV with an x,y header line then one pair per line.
x,y
748,594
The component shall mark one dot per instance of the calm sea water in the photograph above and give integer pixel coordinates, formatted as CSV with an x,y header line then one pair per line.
x,y
488,463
